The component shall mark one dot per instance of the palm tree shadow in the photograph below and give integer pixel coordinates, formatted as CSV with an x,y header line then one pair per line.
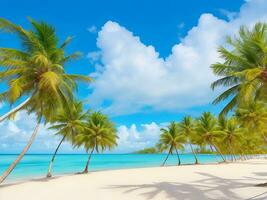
x,y
45,179
172,190
210,187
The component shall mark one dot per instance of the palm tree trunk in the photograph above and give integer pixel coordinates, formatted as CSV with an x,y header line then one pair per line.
x,y
14,110
218,150
53,158
88,161
211,148
179,161
166,157
24,151
196,160
230,152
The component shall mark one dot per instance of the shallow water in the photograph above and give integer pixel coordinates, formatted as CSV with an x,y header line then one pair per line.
x,y
35,165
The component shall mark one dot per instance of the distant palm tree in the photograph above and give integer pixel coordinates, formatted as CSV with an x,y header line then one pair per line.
x,y
36,73
172,140
208,133
99,134
253,116
244,69
187,127
252,144
232,134
69,122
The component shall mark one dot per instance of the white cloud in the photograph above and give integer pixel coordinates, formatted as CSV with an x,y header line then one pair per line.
x,y
92,29
181,25
15,134
94,56
230,15
131,139
134,76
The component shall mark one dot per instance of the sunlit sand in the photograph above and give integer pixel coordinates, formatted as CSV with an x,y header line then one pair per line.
x,y
190,182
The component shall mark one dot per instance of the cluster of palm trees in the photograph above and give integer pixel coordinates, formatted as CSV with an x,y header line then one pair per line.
x,y
243,73
36,81
231,137
90,130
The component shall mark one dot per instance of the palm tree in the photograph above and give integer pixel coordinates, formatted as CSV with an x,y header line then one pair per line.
x,y
187,127
172,140
36,73
244,69
207,131
253,116
99,134
69,122
232,134
251,144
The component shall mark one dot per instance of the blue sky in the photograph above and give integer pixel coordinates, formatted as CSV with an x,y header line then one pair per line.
x,y
150,60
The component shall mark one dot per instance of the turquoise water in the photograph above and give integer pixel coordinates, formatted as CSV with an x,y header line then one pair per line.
x,y
34,166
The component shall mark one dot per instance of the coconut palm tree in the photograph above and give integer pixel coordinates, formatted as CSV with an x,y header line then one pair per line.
x,y
208,133
37,68
69,122
253,116
99,134
172,140
187,127
36,73
232,134
244,67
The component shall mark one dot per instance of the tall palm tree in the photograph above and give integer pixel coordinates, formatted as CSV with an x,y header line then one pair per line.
x,y
172,140
99,134
36,73
232,134
187,127
69,122
208,133
244,69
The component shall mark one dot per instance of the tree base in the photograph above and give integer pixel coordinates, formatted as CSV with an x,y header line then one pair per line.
x,y
49,175
262,185
84,172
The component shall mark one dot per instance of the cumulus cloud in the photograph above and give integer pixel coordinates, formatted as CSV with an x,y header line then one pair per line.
x,y
132,139
181,25
16,133
134,77
92,29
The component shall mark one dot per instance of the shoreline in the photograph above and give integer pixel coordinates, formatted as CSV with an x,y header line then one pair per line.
x,y
236,180
41,177
15,181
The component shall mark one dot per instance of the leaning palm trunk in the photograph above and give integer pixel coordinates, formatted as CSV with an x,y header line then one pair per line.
x,y
88,161
211,148
230,152
194,153
178,157
49,174
166,157
13,165
218,150
14,110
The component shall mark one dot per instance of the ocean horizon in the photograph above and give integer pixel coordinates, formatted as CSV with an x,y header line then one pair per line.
x,y
35,165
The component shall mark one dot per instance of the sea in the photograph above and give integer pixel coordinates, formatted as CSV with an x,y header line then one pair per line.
x,y
35,165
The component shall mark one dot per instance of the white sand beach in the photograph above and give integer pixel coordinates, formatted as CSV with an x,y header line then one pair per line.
x,y
229,181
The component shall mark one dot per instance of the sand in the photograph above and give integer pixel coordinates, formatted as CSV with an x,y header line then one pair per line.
x,y
229,181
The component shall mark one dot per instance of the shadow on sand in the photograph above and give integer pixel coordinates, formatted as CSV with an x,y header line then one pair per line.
x,y
209,188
